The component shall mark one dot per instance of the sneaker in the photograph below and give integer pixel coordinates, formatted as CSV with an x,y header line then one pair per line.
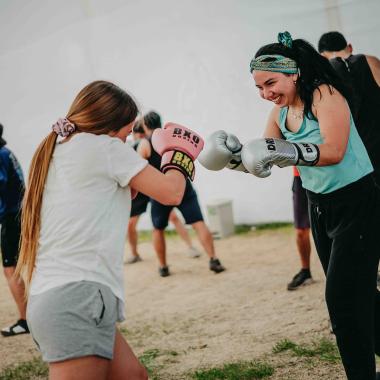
x,y
133,259
164,271
193,253
20,327
216,266
302,278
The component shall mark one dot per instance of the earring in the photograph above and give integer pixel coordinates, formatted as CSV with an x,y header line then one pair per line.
x,y
295,82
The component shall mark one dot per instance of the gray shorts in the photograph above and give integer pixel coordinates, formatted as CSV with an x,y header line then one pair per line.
x,y
74,320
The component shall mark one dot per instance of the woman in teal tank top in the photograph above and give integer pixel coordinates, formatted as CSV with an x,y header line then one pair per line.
x,y
311,127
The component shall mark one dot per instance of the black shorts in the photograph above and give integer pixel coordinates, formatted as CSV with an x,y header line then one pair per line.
x,y
300,205
10,239
139,204
189,209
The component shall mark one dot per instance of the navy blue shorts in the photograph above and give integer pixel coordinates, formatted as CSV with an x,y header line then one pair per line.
x,y
139,204
10,239
189,209
300,205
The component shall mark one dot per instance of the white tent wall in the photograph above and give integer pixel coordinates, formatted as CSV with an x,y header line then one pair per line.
x,y
189,60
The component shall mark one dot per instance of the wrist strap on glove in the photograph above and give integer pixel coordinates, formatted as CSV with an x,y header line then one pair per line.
x,y
176,159
308,154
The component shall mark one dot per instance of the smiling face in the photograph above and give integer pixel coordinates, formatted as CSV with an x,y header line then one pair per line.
x,y
278,88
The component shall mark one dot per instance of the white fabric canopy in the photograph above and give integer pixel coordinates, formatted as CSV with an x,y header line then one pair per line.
x,y
189,60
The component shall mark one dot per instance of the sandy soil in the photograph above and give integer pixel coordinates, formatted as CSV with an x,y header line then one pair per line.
x,y
195,318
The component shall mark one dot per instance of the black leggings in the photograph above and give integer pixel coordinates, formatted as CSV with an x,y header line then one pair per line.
x,y
346,231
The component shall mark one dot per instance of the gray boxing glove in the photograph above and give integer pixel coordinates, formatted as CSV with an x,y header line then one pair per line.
x,y
222,150
260,155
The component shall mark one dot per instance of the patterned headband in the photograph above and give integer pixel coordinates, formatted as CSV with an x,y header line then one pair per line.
x,y
276,63
63,127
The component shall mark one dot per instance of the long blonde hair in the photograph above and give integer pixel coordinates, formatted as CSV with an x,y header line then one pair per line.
x,y
99,108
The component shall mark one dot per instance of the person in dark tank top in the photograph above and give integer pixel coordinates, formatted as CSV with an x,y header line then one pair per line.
x,y
139,207
361,73
189,207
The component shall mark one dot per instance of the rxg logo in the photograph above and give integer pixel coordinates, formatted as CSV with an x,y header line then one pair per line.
x,y
186,135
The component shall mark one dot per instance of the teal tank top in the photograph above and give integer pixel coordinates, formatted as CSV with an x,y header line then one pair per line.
x,y
325,179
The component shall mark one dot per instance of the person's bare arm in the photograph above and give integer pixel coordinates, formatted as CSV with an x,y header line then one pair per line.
x,y
167,188
374,65
272,128
333,115
144,149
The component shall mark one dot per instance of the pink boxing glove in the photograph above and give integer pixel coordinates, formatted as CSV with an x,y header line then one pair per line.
x,y
179,147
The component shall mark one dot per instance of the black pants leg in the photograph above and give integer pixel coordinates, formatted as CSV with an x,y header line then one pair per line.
x,y
345,231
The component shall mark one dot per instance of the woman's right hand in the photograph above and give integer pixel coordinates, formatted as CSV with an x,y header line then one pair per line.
x,y
179,147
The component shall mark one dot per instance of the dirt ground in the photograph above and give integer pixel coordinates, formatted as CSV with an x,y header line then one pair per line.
x,y
196,319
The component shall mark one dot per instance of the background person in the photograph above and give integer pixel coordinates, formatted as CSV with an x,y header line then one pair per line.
x,y
189,206
302,227
139,207
362,74
11,194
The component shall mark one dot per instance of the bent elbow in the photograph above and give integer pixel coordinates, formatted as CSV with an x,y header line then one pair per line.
x,y
338,157
334,156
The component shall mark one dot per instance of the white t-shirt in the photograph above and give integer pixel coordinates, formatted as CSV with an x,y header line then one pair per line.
x,y
85,212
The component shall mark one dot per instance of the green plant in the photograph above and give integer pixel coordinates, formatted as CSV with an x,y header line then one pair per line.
x,y
324,349
32,369
236,371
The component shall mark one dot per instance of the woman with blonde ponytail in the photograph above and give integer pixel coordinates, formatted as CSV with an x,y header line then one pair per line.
x,y
74,218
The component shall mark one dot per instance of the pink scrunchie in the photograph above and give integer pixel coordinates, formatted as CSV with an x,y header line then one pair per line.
x,y
63,127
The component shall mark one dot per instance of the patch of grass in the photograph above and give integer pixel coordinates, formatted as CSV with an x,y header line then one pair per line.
x,y
240,229
147,359
146,235
283,345
324,349
236,371
272,226
33,369
243,228
124,331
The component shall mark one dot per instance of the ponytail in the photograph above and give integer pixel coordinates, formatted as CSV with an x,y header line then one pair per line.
x,y
31,207
100,107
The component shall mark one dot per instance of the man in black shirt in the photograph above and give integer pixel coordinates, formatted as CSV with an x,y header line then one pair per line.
x,y
361,73
189,207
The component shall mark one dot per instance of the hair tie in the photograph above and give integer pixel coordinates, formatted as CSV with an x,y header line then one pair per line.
x,y
285,39
63,127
